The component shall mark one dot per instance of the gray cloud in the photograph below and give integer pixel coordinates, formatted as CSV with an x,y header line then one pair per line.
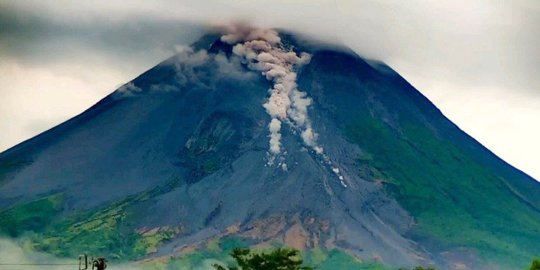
x,y
473,42
480,42
37,38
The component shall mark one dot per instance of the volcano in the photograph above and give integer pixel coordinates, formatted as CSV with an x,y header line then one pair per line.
x,y
259,138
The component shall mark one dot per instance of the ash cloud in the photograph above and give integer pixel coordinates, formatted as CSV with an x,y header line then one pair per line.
x,y
261,50
189,63
194,67
127,90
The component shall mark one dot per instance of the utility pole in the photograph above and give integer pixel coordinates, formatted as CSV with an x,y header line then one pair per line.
x,y
97,264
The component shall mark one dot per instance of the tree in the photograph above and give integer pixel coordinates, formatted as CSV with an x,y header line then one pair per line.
x,y
535,264
278,259
423,268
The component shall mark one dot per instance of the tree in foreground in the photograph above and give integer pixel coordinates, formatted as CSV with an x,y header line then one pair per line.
x,y
535,264
278,259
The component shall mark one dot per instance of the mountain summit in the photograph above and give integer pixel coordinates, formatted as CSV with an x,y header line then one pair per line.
x,y
257,138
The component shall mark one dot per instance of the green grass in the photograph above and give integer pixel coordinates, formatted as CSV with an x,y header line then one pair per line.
x,y
107,231
338,259
456,202
31,216
98,233
219,251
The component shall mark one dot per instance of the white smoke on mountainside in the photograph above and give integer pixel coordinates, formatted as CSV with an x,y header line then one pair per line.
x,y
189,65
261,50
127,90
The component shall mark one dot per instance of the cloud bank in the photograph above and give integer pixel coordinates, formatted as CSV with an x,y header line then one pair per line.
x,y
476,60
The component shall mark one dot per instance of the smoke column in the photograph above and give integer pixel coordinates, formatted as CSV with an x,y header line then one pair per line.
x,y
261,50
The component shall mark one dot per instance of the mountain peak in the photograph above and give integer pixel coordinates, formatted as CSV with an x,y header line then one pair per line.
x,y
254,137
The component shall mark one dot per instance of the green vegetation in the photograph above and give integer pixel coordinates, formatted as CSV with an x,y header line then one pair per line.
x,y
107,230
149,242
278,259
423,172
102,232
338,259
230,253
535,265
31,216
218,251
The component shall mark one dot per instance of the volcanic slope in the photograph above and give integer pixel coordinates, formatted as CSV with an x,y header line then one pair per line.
x,y
255,138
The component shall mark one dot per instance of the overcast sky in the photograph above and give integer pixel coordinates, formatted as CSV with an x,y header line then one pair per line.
x,y
478,61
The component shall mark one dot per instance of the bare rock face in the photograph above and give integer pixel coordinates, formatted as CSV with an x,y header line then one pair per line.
x,y
296,237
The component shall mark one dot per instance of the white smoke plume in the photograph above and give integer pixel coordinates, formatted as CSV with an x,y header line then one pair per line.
x,y
340,177
127,90
190,66
262,50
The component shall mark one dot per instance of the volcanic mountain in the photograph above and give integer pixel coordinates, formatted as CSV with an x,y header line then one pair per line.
x,y
263,139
